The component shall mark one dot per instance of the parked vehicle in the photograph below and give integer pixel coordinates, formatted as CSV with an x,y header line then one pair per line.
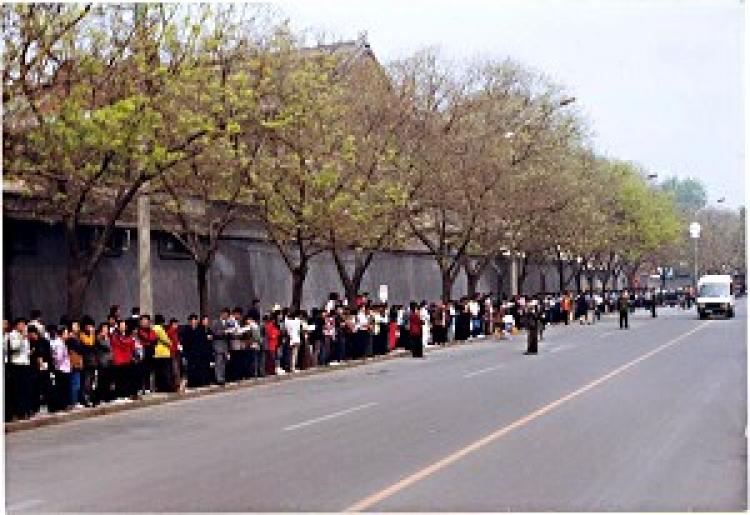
x,y
715,296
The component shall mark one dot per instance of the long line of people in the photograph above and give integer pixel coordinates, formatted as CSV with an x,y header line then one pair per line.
x,y
78,363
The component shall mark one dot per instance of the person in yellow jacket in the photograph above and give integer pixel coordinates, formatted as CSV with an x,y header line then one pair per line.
x,y
162,356
87,337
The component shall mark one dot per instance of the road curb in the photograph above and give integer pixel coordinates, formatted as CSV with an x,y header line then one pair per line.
x,y
166,398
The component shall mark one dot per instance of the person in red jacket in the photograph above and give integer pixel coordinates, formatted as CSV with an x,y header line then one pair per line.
x,y
174,337
393,331
147,338
272,333
415,331
122,343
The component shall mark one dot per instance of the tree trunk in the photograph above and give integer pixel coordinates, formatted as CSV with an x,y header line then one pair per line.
x,y
202,269
78,282
578,281
472,282
78,275
521,278
447,279
299,273
360,267
561,272
352,283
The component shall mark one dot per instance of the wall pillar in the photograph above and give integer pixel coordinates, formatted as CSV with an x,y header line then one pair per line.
x,y
145,296
513,275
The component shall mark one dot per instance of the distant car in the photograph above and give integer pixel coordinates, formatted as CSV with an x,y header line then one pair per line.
x,y
715,296
671,298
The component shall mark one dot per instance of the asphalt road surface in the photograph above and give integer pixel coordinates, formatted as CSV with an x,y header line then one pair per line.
x,y
653,418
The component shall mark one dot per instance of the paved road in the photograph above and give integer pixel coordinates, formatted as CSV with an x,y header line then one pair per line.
x,y
652,418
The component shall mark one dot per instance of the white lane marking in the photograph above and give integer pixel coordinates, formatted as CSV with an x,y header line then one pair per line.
x,y
610,333
556,349
328,417
483,370
24,505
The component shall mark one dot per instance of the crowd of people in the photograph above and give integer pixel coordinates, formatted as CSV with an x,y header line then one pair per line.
x,y
79,363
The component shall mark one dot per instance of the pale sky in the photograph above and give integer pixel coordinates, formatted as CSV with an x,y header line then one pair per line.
x,y
660,82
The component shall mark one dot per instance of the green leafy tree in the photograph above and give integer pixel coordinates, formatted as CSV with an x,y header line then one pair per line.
x,y
202,197
644,220
307,142
375,183
689,194
93,114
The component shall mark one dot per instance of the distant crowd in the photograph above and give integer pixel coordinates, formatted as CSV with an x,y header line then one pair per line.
x,y
79,363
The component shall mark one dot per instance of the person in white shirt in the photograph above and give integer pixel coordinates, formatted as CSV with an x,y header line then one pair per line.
x,y
20,374
293,328
36,321
475,321
451,321
362,333
424,315
61,371
599,300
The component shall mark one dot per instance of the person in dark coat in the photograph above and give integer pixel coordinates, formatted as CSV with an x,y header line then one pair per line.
x,y
582,307
623,306
197,351
439,325
532,322
254,311
463,323
41,362
653,303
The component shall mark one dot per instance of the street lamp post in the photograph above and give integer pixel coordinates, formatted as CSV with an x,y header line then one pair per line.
x,y
560,269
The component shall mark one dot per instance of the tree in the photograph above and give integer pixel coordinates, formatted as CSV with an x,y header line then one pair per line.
x,y
206,194
645,219
92,114
721,248
307,142
376,184
482,136
689,194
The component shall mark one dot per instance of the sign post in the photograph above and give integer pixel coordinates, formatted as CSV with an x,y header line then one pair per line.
x,y
383,293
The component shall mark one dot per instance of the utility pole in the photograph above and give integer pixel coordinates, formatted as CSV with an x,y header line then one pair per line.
x,y
695,234
695,261
145,296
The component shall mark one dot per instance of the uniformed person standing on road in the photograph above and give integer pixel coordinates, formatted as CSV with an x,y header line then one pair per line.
x,y
532,326
623,306
653,303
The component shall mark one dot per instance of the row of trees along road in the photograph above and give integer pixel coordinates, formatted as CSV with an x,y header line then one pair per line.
x,y
231,118
721,246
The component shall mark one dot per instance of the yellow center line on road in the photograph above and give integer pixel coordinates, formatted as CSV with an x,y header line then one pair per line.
x,y
424,473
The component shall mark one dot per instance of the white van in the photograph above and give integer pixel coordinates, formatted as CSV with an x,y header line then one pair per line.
x,y
715,296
